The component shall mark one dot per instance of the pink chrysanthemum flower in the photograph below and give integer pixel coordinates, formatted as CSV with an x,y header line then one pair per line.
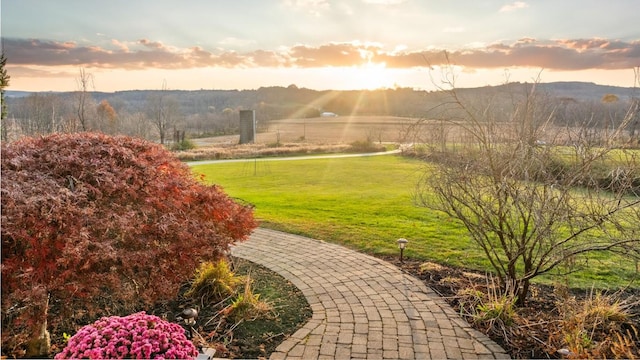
x,y
138,336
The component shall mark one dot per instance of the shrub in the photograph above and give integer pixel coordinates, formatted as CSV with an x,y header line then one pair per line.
x,y
213,282
185,144
492,308
137,336
247,305
365,146
87,217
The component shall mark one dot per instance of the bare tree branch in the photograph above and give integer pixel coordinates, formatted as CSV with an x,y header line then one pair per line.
x,y
530,205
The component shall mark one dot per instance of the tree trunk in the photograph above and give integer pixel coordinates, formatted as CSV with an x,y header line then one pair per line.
x,y
40,345
522,292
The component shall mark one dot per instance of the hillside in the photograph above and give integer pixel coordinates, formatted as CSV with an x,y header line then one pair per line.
x,y
206,113
588,91
280,102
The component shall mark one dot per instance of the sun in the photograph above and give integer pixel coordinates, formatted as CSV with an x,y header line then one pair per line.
x,y
366,76
371,76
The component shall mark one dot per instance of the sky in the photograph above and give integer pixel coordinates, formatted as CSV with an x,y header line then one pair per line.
x,y
317,44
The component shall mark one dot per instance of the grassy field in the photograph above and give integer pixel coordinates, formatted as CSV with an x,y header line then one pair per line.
x,y
366,204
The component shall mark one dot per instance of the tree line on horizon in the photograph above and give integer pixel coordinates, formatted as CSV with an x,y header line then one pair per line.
x,y
165,115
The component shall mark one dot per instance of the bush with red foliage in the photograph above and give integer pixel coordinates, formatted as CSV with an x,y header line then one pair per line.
x,y
88,215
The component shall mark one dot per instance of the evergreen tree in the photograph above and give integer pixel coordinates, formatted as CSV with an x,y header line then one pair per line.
x,y
4,82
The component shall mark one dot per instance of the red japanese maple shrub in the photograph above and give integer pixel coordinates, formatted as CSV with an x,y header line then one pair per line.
x,y
89,215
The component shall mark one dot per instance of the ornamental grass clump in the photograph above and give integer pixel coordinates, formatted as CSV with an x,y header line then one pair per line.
x,y
137,336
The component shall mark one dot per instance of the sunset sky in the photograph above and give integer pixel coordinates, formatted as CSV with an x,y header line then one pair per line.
x,y
317,44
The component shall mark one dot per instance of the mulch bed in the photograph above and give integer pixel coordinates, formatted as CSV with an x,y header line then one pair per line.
x,y
254,338
534,333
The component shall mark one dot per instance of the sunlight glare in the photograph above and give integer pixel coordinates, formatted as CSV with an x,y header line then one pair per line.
x,y
372,76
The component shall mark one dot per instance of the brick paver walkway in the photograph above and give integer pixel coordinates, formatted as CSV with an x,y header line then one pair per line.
x,y
363,307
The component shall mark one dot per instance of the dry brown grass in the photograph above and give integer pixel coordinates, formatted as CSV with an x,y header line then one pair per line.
x,y
248,151
598,327
301,136
338,130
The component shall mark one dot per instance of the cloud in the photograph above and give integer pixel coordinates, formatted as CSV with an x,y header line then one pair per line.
x,y
38,72
514,6
142,54
120,45
562,54
578,54
151,44
340,54
526,40
582,54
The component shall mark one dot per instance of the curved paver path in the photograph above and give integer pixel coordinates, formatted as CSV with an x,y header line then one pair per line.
x,y
363,307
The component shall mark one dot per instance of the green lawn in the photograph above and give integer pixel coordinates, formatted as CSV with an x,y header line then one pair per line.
x,y
366,204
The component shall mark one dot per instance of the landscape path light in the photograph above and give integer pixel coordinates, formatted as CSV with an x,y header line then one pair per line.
x,y
189,316
402,243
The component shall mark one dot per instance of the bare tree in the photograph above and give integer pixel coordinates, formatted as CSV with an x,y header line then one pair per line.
x,y
529,204
84,81
37,114
229,116
4,82
163,112
134,124
634,134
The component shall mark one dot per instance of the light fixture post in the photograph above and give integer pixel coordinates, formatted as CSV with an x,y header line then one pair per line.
x,y
402,243
189,316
